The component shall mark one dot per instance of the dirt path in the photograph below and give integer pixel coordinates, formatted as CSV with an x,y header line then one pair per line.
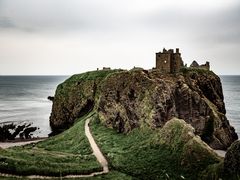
x,y
96,151
5,145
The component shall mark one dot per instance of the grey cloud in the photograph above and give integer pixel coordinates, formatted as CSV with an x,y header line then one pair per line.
x,y
226,26
6,23
57,15
121,29
104,15
202,26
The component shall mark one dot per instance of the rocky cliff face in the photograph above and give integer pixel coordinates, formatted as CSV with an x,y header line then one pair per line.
x,y
74,98
130,99
232,161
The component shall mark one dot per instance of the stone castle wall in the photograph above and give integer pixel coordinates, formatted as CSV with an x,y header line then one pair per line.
x,y
169,61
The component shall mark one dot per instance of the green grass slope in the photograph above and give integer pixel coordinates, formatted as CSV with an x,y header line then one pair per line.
x,y
66,153
64,88
173,152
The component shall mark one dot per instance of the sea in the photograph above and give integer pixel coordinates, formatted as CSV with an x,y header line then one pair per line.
x,y
231,92
24,99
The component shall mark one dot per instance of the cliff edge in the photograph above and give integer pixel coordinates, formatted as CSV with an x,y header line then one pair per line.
x,y
132,99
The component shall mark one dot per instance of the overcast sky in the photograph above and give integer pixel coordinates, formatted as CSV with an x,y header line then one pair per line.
x,y
71,36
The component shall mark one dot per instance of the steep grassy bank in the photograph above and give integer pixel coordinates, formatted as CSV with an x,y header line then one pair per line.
x,y
173,152
66,153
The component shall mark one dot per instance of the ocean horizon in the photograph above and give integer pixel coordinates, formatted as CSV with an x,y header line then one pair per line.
x,y
23,98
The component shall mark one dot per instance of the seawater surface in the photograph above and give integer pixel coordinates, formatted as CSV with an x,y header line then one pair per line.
x,y
231,91
24,99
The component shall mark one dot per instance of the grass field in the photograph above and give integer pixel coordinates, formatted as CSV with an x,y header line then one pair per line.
x,y
168,153
66,153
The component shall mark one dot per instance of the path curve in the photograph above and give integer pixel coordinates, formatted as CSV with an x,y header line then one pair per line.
x,y
96,151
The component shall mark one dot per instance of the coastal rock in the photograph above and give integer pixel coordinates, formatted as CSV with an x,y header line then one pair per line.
x,y
134,98
232,160
130,99
27,132
50,98
195,154
74,98
11,131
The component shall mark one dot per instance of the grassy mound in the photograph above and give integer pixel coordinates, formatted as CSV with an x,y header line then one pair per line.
x,y
67,153
173,152
64,88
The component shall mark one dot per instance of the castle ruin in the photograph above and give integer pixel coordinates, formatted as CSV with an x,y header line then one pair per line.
x,y
202,66
169,61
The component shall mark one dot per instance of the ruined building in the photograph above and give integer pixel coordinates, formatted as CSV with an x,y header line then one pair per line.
x,y
169,61
202,66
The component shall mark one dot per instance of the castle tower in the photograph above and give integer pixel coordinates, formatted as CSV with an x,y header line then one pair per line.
x,y
163,61
168,61
177,62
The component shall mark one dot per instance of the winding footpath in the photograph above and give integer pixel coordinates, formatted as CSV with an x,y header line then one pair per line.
x,y
96,151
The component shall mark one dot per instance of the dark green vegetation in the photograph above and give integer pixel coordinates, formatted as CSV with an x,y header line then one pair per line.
x,y
63,89
232,160
113,175
67,153
170,153
186,70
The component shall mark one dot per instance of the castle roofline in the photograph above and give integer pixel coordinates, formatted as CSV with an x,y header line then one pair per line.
x,y
169,51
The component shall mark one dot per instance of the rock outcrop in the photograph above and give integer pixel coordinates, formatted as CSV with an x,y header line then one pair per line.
x,y
232,161
74,98
11,131
130,99
194,153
